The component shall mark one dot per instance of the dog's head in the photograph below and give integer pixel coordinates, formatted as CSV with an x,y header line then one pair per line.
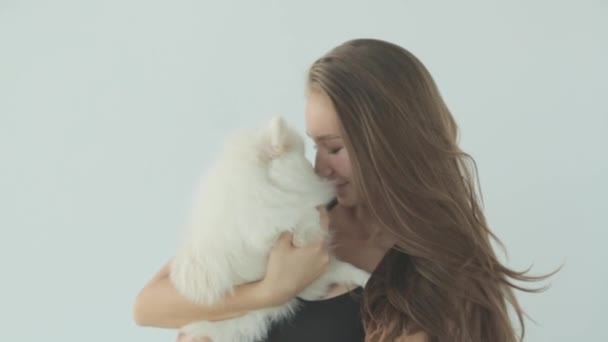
x,y
279,140
282,151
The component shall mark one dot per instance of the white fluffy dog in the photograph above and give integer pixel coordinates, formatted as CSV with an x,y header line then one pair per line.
x,y
261,185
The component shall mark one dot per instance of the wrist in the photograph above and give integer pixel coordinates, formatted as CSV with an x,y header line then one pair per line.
x,y
271,295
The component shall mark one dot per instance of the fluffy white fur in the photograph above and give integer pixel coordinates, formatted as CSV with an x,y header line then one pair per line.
x,y
261,185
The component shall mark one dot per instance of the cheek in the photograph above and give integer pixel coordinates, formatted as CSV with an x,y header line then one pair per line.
x,y
342,165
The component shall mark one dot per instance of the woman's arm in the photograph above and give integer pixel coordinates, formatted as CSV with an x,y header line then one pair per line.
x,y
160,305
290,269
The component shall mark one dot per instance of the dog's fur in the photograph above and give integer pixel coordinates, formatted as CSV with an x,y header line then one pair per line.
x,y
261,185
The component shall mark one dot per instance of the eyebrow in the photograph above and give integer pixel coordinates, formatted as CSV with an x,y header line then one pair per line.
x,y
324,136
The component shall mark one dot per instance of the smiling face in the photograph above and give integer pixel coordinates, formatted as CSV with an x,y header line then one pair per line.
x,y
331,159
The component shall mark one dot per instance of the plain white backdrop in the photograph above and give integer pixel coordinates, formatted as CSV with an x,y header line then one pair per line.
x,y
110,110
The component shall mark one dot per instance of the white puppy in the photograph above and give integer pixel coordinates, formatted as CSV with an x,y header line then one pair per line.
x,y
261,185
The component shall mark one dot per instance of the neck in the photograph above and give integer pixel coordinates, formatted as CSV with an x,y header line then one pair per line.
x,y
361,213
369,229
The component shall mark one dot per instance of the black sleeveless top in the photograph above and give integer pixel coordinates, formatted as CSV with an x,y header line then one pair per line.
x,y
335,319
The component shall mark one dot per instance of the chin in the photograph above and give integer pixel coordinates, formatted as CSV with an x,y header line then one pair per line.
x,y
347,199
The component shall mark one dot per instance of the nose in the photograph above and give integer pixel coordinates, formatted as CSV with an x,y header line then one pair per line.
x,y
322,167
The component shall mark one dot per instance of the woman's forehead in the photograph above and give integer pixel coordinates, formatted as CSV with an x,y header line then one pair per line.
x,y
321,118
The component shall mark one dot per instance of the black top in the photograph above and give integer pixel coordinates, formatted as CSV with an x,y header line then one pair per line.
x,y
335,319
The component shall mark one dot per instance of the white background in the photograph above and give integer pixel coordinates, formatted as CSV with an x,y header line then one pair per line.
x,y
109,111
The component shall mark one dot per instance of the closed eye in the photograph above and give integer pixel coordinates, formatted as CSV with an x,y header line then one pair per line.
x,y
329,150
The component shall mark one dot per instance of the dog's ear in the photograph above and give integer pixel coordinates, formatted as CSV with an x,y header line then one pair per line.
x,y
277,131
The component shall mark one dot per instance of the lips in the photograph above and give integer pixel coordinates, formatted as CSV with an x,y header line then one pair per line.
x,y
338,184
341,185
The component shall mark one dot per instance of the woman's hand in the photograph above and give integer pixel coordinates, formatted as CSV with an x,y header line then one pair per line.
x,y
291,269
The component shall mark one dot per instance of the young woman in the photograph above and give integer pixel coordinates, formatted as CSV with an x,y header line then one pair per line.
x,y
407,210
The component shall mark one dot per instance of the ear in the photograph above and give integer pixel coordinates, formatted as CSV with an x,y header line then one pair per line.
x,y
278,136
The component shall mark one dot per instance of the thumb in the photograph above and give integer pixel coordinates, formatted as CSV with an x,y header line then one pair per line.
x,y
284,238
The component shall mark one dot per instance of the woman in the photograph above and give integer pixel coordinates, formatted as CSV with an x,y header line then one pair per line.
x,y
407,210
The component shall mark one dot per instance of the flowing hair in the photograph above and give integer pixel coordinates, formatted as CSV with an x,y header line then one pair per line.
x,y
442,275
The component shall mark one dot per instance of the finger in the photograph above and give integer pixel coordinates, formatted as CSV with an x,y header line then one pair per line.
x,y
323,213
183,337
284,238
324,220
199,339
189,338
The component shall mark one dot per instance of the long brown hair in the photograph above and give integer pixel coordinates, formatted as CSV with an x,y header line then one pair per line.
x,y
442,276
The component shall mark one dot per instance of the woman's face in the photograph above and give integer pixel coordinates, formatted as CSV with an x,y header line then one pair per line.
x,y
331,158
